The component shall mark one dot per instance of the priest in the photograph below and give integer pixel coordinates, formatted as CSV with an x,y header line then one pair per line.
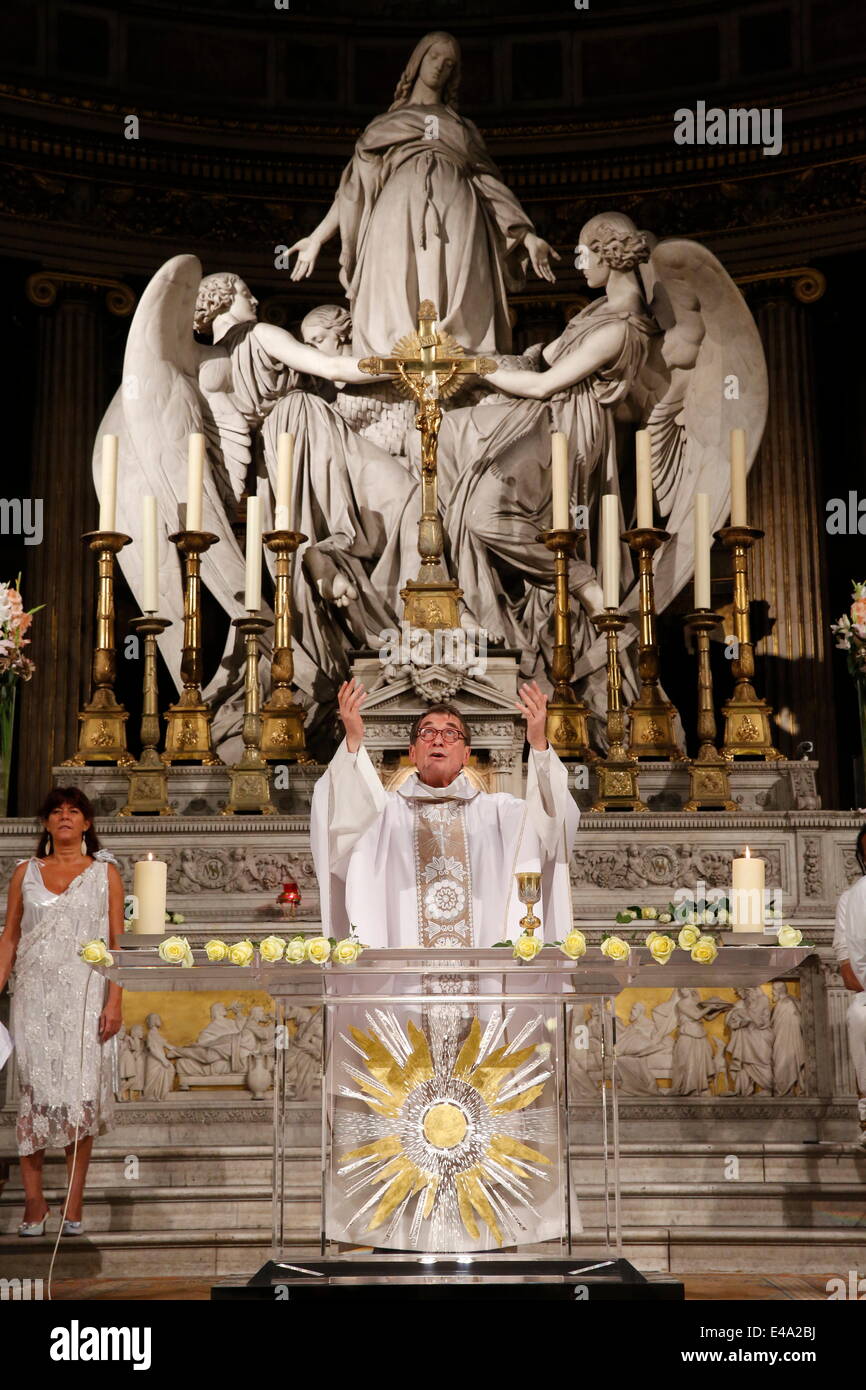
x,y
433,864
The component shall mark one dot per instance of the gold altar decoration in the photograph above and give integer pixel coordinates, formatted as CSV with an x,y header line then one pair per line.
x,y
709,782
617,774
188,733
429,365
651,730
567,729
148,778
446,1129
102,731
748,729
282,736
250,784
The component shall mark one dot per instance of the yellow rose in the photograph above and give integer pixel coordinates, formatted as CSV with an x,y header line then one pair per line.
x,y
216,950
241,953
574,945
688,937
704,950
318,949
789,936
527,947
649,913
95,953
272,948
175,951
346,952
662,948
296,951
651,937
615,948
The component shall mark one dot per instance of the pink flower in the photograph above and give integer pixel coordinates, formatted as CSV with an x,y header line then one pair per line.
x,y
858,612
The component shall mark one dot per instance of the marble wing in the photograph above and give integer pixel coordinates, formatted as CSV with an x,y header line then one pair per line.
x,y
710,377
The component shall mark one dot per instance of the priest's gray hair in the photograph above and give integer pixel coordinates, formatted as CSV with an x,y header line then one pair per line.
x,y
441,709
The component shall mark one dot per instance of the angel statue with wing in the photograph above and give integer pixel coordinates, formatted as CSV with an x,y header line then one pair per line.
x,y
658,348
227,390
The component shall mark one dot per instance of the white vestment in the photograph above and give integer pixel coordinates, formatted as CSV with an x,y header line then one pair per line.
x,y
363,843
849,943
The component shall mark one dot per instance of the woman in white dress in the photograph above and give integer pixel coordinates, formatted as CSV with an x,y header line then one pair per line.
x,y
62,1015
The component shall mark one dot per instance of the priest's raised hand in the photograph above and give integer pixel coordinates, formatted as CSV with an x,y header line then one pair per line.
x,y
350,698
533,706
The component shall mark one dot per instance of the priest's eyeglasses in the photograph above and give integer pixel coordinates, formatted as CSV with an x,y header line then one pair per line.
x,y
429,735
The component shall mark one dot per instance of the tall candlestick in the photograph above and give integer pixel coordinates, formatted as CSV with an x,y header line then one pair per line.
x,y
643,458
108,492
747,897
702,550
150,597
148,887
253,590
610,543
283,511
739,516
559,481
194,482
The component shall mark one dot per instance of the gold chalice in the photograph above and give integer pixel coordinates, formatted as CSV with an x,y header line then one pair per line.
x,y
529,892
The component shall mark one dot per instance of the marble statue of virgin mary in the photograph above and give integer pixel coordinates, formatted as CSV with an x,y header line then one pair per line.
x,y
423,214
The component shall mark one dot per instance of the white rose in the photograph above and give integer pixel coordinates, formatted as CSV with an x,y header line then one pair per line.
x,y
296,951
527,947
272,948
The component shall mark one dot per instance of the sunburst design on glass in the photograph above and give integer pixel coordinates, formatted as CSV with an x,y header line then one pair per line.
x,y
445,1135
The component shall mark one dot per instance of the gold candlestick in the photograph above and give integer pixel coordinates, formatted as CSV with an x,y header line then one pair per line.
x,y
567,729
748,731
282,738
529,893
148,778
617,774
250,788
102,732
709,783
651,730
187,735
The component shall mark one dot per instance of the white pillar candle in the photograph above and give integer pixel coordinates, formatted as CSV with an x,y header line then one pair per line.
x,y
108,491
559,481
610,544
747,893
150,597
283,512
148,887
702,550
194,482
253,590
739,515
643,457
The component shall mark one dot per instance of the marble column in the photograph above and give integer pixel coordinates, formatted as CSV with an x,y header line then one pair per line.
x,y
788,568
71,399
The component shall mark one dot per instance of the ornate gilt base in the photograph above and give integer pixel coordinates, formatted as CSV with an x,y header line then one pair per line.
x,y
432,602
709,785
249,789
651,731
567,730
102,733
187,733
282,723
148,787
748,730
617,786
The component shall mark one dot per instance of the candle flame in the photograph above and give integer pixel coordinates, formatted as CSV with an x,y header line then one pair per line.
x,y
150,856
748,852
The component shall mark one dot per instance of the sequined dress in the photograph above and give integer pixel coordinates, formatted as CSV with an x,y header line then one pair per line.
x,y
63,1082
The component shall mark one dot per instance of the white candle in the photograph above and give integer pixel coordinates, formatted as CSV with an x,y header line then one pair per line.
x,y
108,491
253,590
739,515
747,896
283,512
150,599
643,456
194,482
559,481
148,886
610,544
702,550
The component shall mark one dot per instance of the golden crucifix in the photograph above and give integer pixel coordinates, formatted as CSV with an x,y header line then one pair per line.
x,y
429,365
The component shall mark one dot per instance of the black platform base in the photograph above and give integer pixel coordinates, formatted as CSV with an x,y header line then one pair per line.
x,y
569,1279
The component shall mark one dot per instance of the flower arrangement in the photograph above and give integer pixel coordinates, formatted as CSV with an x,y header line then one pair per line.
x,y
15,666
528,946
850,633
317,950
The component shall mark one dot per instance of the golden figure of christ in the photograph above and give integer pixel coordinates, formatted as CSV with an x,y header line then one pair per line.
x,y
429,365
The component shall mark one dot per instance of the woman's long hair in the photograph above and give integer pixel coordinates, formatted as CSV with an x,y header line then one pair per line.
x,y
403,92
68,796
